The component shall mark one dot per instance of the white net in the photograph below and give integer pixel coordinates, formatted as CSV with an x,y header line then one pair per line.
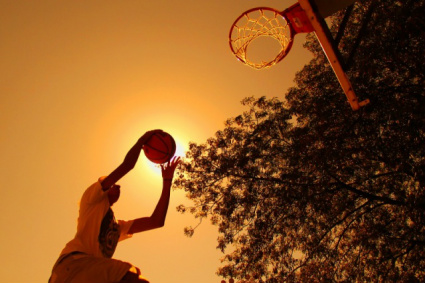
x,y
260,24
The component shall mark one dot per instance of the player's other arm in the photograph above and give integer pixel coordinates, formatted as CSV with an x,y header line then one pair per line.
x,y
129,162
157,219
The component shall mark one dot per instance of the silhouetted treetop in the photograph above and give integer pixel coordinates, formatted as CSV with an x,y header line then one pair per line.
x,y
303,189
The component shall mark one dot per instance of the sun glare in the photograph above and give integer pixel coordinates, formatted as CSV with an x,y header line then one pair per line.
x,y
156,168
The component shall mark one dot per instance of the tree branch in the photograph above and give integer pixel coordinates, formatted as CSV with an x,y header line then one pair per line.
x,y
361,34
366,195
343,24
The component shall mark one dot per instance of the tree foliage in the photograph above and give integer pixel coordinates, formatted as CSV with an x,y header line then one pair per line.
x,y
303,189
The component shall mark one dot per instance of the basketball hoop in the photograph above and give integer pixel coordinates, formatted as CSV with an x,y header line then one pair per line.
x,y
256,23
267,22
282,27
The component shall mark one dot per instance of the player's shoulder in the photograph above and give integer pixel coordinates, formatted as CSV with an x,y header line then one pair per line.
x,y
93,193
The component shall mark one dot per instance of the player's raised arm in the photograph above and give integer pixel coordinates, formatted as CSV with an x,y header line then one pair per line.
x,y
157,219
129,162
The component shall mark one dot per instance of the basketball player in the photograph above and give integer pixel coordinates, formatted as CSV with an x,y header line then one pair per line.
x,y
88,257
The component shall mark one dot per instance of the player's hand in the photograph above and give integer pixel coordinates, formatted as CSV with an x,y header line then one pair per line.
x,y
169,167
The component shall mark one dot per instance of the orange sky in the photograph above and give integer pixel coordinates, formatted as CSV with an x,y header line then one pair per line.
x,y
80,82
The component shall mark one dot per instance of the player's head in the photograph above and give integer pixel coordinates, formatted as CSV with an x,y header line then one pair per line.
x,y
114,194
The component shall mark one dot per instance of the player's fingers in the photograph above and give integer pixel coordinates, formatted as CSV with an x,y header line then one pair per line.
x,y
176,161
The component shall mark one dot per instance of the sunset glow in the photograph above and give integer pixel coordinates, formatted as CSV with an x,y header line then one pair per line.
x,y
81,82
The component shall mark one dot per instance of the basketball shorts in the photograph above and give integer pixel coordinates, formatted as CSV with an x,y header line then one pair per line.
x,y
82,268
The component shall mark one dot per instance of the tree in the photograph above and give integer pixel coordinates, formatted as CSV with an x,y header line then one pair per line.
x,y
303,189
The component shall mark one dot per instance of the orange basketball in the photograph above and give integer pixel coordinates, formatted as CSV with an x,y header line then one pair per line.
x,y
160,148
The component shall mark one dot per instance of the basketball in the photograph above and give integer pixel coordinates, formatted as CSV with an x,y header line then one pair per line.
x,y
160,148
